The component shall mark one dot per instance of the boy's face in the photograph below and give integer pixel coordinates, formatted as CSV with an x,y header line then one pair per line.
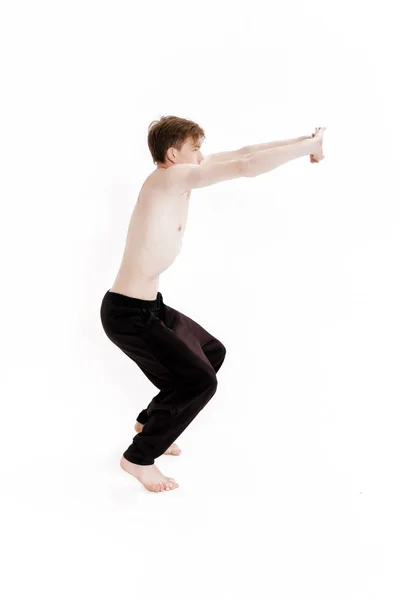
x,y
189,153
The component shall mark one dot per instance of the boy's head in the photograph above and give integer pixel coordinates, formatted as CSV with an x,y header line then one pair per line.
x,y
173,140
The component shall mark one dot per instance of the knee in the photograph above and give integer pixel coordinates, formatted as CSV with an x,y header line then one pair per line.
x,y
220,358
203,380
211,381
210,387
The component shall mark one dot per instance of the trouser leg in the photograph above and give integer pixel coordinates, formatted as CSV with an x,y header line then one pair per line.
x,y
162,429
213,350
167,346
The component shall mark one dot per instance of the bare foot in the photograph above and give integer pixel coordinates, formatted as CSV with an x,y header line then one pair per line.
x,y
173,449
149,475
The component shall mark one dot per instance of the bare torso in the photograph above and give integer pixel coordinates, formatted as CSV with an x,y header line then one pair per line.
x,y
154,237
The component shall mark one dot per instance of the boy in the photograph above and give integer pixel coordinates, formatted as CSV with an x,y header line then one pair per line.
x,y
179,356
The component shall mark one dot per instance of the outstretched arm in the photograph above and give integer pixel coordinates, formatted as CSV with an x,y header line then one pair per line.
x,y
231,155
267,145
184,177
222,156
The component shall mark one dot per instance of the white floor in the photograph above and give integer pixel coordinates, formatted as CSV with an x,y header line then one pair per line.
x,y
280,497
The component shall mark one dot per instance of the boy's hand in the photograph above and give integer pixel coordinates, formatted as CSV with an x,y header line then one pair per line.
x,y
318,156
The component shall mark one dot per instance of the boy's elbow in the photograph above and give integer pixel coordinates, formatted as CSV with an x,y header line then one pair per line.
x,y
246,162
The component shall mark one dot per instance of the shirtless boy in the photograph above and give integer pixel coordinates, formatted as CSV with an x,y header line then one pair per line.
x,y
178,355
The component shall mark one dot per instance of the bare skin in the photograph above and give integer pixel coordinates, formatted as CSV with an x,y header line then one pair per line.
x,y
156,229
318,134
153,242
150,476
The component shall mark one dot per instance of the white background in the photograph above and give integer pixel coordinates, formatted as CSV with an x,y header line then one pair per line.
x,y
289,478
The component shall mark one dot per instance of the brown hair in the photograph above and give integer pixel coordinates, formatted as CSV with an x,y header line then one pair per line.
x,y
171,131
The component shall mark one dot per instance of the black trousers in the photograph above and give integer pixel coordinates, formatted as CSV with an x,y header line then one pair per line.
x,y
176,354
